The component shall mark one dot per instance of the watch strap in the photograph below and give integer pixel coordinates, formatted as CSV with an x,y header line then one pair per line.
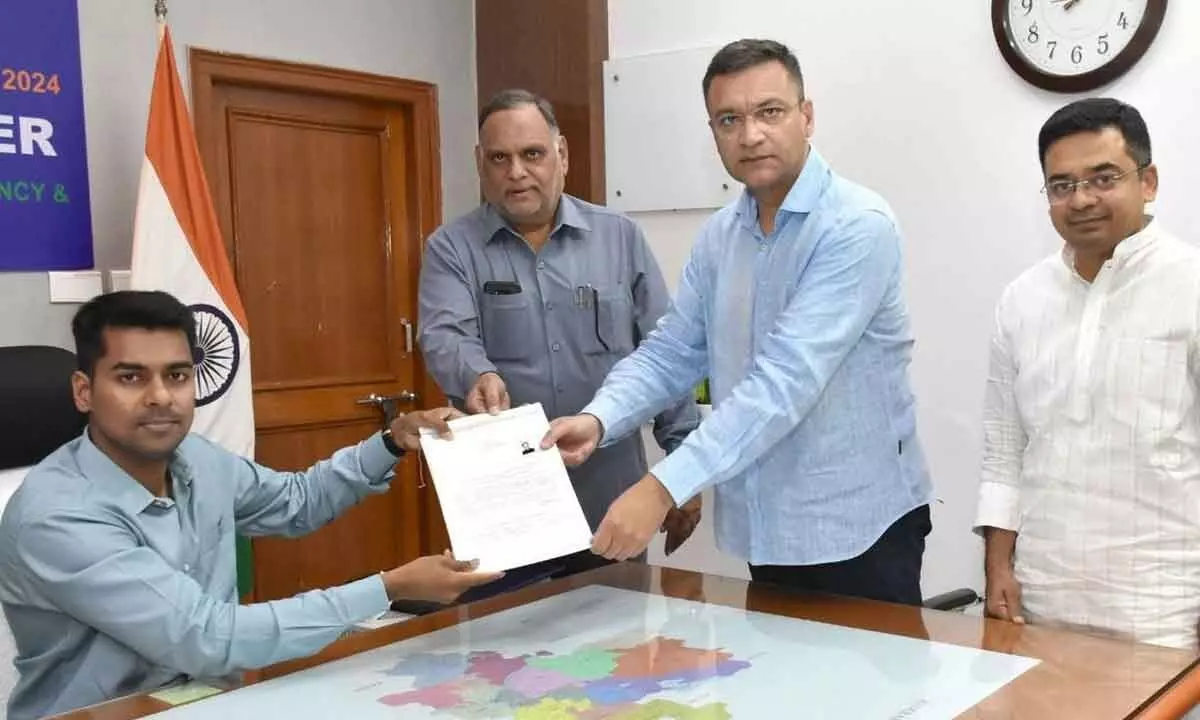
x,y
389,442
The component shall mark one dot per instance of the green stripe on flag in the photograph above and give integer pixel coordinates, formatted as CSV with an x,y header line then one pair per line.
x,y
245,566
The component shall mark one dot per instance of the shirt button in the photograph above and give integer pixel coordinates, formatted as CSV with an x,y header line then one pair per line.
x,y
541,265
187,567
549,306
556,347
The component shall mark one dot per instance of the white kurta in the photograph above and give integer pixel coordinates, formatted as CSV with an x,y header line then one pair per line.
x,y
1092,440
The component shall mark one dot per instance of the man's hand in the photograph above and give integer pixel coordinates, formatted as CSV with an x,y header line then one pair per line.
x,y
1002,593
681,522
489,395
1003,596
632,520
438,578
406,429
576,437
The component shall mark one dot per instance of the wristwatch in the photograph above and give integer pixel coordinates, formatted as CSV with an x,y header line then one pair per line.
x,y
389,442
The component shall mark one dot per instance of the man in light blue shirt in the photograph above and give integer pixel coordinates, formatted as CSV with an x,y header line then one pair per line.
x,y
117,552
791,302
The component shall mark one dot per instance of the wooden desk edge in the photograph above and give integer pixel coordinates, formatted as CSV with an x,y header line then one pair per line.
x,y
1177,698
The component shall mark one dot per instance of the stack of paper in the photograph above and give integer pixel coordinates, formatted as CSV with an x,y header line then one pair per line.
x,y
506,502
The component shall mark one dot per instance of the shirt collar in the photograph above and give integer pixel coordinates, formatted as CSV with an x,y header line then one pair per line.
x,y
569,214
1125,250
127,492
803,196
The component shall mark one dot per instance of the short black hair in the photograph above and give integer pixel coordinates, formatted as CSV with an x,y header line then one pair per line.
x,y
750,52
144,309
1094,115
515,98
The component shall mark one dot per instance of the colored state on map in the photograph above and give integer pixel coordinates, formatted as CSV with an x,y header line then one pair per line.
x,y
591,683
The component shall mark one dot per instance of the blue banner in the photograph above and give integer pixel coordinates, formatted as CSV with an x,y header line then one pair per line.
x,y
45,212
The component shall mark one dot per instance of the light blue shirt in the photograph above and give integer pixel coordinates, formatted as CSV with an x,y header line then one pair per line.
x,y
110,590
812,446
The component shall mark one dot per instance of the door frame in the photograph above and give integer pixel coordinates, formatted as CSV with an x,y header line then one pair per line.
x,y
419,100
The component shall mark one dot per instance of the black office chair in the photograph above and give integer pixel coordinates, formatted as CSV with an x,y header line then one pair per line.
x,y
959,599
37,412
37,415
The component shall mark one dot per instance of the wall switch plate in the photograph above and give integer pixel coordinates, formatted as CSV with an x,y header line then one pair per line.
x,y
75,286
119,280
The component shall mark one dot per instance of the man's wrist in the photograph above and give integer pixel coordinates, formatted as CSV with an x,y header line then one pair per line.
x,y
393,583
664,495
599,425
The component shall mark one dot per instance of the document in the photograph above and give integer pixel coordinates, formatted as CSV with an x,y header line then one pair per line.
x,y
506,502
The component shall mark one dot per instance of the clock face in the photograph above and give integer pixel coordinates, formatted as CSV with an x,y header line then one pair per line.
x,y
1073,37
1074,45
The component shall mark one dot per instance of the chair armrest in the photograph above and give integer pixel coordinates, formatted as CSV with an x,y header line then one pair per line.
x,y
952,600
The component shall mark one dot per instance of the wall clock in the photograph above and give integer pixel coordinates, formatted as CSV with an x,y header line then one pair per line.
x,y
1074,45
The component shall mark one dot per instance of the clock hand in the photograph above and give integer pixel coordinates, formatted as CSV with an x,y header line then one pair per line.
x,y
1070,4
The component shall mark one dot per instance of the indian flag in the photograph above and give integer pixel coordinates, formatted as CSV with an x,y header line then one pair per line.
x,y
177,247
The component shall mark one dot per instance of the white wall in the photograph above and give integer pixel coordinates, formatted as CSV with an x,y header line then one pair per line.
x,y
429,40
913,99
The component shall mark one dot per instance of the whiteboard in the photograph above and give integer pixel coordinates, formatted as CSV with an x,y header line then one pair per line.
x,y
659,152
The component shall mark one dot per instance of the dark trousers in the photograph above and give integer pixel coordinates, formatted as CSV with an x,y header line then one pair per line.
x,y
889,570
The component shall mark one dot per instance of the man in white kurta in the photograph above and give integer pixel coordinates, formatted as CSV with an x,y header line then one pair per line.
x,y
1090,494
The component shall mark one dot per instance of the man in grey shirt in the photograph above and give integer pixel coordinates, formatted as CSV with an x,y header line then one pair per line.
x,y
535,295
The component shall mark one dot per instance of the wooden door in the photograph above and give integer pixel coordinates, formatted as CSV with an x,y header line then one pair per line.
x,y
325,184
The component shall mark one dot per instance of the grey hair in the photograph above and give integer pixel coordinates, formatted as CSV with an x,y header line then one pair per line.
x,y
515,98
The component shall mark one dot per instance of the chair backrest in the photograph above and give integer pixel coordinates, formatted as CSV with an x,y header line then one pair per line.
x,y
37,415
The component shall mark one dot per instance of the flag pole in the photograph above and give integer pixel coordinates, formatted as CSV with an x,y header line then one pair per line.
x,y
160,14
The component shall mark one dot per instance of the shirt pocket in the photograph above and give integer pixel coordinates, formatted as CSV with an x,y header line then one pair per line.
x,y
505,326
610,329
1147,388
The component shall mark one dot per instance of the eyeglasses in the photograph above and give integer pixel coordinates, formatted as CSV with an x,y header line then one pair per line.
x,y
730,124
1060,191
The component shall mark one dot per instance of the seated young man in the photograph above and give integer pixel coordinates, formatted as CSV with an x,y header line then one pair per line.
x,y
117,553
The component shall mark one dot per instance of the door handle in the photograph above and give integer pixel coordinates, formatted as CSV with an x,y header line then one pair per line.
x,y
407,396
408,335
387,403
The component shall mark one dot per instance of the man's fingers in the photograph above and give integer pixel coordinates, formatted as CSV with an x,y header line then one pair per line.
x,y
469,580
552,435
451,563
442,427
602,540
491,398
449,413
1014,604
474,403
435,419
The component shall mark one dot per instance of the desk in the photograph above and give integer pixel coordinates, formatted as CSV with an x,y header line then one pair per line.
x,y
1078,676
